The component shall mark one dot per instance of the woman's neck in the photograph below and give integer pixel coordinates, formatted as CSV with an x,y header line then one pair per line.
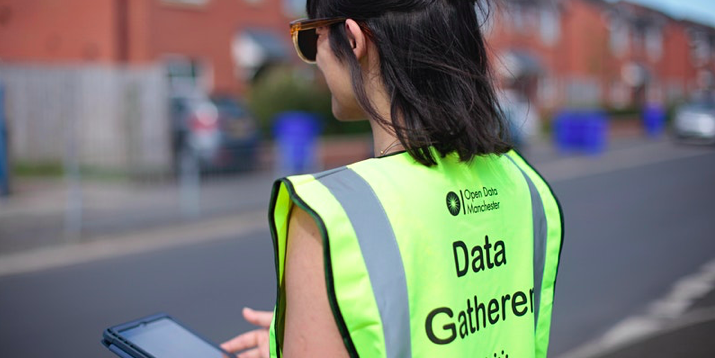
x,y
384,142
384,139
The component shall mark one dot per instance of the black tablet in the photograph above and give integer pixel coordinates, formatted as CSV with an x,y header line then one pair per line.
x,y
159,336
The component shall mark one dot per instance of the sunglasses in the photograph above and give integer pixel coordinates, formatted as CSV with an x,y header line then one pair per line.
x,y
305,38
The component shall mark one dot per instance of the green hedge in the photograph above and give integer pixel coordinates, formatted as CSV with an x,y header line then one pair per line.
x,y
287,88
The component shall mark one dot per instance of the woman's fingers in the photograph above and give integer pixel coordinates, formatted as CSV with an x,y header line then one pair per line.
x,y
264,345
243,341
256,341
253,353
259,318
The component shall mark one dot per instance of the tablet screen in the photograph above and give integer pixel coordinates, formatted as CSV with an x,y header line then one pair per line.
x,y
164,338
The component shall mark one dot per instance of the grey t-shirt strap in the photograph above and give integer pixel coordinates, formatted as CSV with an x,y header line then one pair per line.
x,y
540,232
381,254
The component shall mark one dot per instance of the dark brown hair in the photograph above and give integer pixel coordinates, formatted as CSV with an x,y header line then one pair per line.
x,y
435,69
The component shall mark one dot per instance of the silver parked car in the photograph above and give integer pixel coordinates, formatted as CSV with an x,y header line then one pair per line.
x,y
695,121
195,128
218,132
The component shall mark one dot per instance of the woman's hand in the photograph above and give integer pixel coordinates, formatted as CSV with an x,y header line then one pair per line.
x,y
256,340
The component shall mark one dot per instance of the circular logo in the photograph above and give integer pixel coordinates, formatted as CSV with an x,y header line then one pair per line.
x,y
453,203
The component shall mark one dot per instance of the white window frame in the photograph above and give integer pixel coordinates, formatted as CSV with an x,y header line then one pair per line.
x,y
549,26
654,43
199,74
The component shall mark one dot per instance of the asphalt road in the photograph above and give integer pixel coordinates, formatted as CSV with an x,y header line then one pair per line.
x,y
630,234
62,312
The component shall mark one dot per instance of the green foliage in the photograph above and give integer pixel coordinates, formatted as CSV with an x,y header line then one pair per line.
x,y
284,88
670,111
625,113
56,170
37,169
636,112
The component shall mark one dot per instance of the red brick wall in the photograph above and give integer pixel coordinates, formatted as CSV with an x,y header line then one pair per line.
x,y
585,40
205,32
581,48
57,30
676,65
676,53
584,51
139,26
93,30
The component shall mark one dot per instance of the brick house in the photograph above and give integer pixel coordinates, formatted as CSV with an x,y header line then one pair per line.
x,y
597,53
95,71
570,52
201,40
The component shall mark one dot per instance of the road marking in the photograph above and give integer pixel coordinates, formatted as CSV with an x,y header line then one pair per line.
x,y
108,246
618,159
665,314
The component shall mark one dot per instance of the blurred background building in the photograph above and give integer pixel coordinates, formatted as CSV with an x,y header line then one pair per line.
x,y
212,44
101,77
565,53
104,76
167,88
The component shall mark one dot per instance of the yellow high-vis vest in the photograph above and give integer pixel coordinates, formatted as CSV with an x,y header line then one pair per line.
x,y
453,260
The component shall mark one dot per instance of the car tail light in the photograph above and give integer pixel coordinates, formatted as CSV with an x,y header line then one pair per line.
x,y
203,122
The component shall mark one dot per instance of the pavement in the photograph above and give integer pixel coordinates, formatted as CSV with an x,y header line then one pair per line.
x,y
123,218
46,213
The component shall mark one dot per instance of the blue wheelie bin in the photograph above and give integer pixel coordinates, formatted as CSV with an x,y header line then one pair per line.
x,y
296,135
581,131
654,120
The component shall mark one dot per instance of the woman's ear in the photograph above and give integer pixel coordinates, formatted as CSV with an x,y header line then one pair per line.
x,y
357,38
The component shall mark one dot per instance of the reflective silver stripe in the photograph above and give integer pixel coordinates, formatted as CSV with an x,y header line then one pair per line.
x,y
540,232
381,254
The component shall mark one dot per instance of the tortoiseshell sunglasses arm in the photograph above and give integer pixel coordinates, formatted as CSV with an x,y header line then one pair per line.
x,y
307,24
